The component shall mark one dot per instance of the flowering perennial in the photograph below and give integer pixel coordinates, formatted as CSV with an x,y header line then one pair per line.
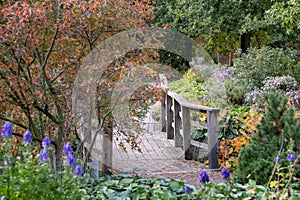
x,y
27,137
291,157
225,173
187,189
46,143
43,155
71,160
78,170
7,130
277,159
204,177
67,149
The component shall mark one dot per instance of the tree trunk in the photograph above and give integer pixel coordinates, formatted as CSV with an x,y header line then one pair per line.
x,y
245,42
107,149
58,149
57,161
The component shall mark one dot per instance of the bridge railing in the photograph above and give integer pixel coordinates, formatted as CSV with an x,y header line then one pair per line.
x,y
176,122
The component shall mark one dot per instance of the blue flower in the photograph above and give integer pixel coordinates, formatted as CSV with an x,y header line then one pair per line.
x,y
27,137
187,189
43,155
70,160
225,173
67,149
277,159
291,157
7,130
46,143
204,177
78,170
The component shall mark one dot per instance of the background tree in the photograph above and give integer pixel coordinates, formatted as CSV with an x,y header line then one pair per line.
x,y
224,26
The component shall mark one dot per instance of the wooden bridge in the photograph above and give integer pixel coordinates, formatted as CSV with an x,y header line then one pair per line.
x,y
166,142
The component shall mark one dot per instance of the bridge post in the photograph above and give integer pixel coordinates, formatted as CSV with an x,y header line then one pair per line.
x,y
169,112
186,126
177,122
212,135
107,149
163,113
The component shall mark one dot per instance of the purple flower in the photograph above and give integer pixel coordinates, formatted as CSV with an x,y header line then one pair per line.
x,y
27,137
5,162
291,157
277,159
67,149
204,177
225,173
46,143
187,189
43,155
7,130
78,170
70,160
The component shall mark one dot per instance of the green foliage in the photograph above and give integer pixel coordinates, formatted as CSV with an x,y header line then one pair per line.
x,y
277,126
192,86
287,15
129,187
233,191
171,59
24,177
265,62
220,23
235,91
233,121
199,134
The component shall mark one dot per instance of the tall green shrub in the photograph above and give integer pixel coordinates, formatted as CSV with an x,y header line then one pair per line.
x,y
278,123
265,62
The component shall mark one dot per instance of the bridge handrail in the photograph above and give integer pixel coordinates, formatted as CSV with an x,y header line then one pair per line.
x,y
175,108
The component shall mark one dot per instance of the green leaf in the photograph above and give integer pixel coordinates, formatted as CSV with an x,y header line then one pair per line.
x,y
126,181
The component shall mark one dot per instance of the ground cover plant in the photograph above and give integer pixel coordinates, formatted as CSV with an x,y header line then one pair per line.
x,y
26,173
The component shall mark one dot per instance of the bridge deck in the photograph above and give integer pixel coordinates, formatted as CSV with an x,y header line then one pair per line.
x,y
158,157
157,152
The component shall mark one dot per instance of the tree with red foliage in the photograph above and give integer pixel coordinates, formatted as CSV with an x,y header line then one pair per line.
x,y
42,46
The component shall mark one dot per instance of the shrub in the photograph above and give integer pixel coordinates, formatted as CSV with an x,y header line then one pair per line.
x,y
277,126
265,62
282,84
285,85
192,86
235,91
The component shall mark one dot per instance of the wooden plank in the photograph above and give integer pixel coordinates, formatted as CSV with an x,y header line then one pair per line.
x,y
212,135
107,150
169,128
177,122
198,108
198,124
163,113
186,126
148,148
177,97
199,144
163,80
